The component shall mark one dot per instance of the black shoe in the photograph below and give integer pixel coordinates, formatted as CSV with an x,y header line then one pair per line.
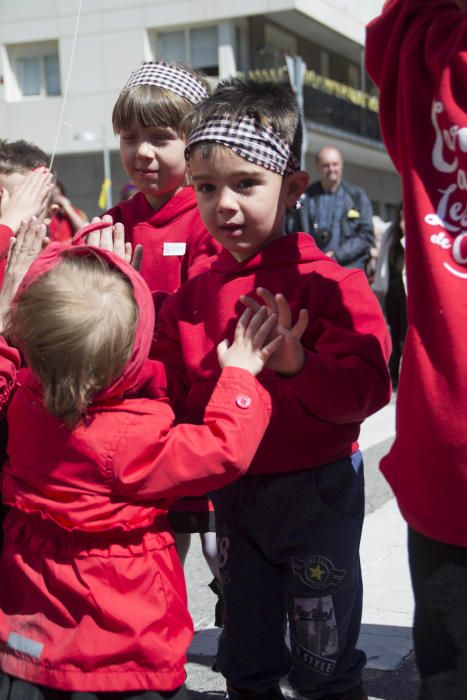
x,y
219,610
238,694
355,693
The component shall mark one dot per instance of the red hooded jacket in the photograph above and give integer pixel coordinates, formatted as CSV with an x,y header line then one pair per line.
x,y
417,53
92,594
316,413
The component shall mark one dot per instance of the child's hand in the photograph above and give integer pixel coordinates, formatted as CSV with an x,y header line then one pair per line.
x,y
30,198
250,349
24,249
112,238
289,357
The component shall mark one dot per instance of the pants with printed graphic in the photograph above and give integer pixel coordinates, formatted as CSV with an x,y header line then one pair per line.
x,y
289,548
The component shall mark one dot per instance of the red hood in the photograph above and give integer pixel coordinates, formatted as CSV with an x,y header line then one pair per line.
x,y
145,327
138,210
277,253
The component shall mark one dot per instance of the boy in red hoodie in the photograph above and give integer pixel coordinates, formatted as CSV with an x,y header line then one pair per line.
x,y
162,215
289,531
164,218
416,52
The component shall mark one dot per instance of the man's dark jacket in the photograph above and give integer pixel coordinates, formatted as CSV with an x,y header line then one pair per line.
x,y
356,227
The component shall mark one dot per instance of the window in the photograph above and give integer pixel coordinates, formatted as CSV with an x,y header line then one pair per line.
x,y
282,41
354,76
34,70
197,46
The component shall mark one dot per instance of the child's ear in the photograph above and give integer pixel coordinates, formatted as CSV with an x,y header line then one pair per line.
x,y
295,185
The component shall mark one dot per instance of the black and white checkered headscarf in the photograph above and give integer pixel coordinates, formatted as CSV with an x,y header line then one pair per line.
x,y
250,140
171,77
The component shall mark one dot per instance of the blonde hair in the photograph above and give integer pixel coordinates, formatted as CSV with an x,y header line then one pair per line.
x,y
76,326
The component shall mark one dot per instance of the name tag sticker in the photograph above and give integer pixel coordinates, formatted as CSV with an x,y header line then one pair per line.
x,y
25,645
174,248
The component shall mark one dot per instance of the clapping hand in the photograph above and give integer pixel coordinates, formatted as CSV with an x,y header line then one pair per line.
x,y
289,357
250,349
112,238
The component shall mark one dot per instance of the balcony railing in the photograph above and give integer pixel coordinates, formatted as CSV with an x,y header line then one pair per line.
x,y
333,104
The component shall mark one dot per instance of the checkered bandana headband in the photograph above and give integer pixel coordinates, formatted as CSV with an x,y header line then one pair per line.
x,y
171,77
250,140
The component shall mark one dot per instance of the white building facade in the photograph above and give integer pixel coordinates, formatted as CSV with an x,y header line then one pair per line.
x,y
221,38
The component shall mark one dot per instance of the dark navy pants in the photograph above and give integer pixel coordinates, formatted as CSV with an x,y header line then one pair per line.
x,y
288,547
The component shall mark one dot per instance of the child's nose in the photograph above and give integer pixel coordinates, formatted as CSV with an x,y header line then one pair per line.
x,y
227,200
145,150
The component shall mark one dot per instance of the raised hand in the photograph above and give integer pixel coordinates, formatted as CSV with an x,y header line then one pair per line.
x,y
30,198
112,238
289,357
250,349
24,249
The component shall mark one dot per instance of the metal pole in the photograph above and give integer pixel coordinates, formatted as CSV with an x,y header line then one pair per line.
x,y
296,68
107,174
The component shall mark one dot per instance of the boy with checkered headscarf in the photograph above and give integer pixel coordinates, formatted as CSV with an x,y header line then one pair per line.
x,y
289,531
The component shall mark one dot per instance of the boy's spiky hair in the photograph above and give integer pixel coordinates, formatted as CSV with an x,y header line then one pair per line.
x,y
20,157
270,103
151,105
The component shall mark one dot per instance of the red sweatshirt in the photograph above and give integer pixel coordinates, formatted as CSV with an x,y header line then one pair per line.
x,y
5,234
92,593
174,238
417,54
317,413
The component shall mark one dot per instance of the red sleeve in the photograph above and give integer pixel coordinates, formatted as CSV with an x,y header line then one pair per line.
x,y
190,460
10,363
345,378
5,234
408,49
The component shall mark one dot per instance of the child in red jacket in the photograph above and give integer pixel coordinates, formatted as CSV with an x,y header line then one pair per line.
x,y
288,531
163,216
92,594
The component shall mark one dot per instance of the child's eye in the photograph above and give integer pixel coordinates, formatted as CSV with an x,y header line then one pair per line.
x,y
246,184
128,137
205,187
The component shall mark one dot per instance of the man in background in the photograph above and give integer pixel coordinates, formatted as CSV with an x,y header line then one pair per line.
x,y
337,214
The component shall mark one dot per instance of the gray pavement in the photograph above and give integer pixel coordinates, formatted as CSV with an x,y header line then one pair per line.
x,y
386,638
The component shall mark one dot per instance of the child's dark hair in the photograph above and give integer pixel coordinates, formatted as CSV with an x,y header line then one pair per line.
x,y
20,156
270,103
151,105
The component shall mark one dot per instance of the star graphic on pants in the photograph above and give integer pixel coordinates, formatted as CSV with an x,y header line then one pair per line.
x,y
316,572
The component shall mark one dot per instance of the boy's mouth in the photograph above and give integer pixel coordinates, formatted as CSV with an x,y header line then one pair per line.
x,y
146,172
232,230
